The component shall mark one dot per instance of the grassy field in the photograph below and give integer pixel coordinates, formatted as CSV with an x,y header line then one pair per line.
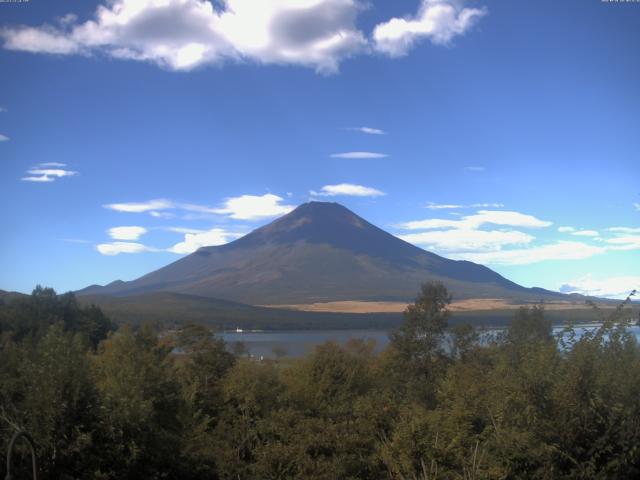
x,y
170,309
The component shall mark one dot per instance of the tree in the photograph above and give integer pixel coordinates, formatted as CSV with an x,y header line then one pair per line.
x,y
418,345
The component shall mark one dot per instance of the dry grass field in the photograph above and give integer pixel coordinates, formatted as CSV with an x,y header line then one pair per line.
x,y
468,305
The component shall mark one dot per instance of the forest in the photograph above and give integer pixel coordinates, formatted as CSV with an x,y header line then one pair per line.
x,y
106,401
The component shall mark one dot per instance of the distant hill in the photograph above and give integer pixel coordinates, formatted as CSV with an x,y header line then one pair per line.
x,y
174,309
320,252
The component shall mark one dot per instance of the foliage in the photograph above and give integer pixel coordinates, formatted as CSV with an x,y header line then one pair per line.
x,y
438,403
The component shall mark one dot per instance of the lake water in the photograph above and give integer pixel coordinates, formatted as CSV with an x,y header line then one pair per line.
x,y
300,342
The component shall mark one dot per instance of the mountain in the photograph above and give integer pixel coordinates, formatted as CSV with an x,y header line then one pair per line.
x,y
319,252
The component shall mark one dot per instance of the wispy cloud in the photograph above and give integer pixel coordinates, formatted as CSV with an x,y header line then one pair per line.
x,y
43,172
116,248
368,130
470,222
3,109
445,206
475,169
140,207
52,164
585,233
467,240
566,229
244,207
193,240
437,20
347,189
624,229
636,206
525,256
126,233
358,155
3,138
624,242
607,287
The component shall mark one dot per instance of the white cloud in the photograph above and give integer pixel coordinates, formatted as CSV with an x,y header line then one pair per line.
x,y
155,214
44,173
151,205
3,138
438,206
358,155
471,222
245,207
636,206
610,287
45,39
116,248
52,164
585,233
184,34
39,179
566,229
347,189
195,240
126,233
467,240
253,207
525,256
624,242
369,130
624,229
184,230
437,20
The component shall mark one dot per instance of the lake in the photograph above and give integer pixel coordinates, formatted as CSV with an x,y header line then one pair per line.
x,y
297,343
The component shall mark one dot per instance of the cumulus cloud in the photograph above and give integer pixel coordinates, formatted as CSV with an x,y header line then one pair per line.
x,y
471,222
467,240
368,130
437,20
195,240
525,256
3,138
116,248
253,207
126,233
47,172
358,155
347,189
184,34
608,287
566,229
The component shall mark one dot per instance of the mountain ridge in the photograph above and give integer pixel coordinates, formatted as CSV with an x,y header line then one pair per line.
x,y
319,252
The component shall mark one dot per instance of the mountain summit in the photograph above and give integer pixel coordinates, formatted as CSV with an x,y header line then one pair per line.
x,y
319,252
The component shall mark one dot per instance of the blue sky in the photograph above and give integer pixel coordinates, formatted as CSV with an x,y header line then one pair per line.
x,y
502,132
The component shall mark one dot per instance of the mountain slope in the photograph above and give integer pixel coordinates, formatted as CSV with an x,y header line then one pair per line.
x,y
319,252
